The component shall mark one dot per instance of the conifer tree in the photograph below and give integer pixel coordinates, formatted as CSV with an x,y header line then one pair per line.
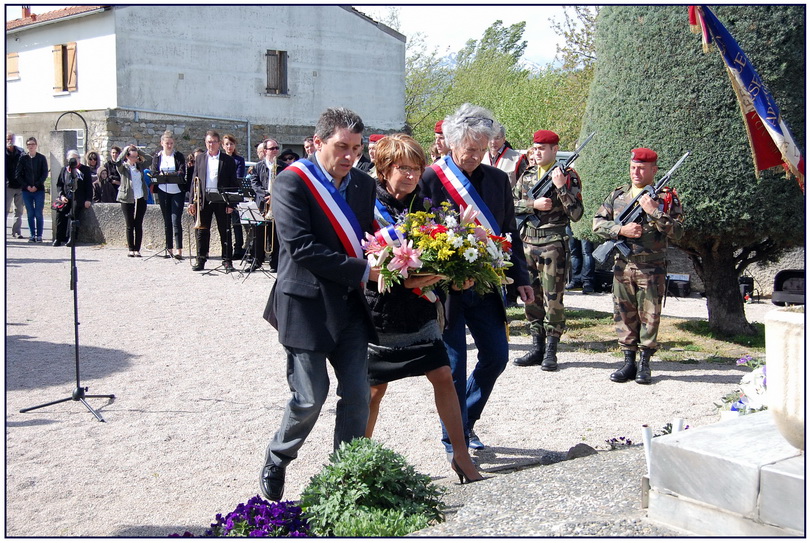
x,y
655,87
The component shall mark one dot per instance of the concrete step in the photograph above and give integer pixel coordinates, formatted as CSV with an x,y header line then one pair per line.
x,y
737,477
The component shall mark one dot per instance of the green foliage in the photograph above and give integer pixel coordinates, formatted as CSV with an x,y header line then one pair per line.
x,y
497,40
579,31
487,72
368,490
428,78
654,87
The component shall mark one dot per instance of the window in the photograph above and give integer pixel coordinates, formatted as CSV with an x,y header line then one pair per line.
x,y
65,75
276,71
12,66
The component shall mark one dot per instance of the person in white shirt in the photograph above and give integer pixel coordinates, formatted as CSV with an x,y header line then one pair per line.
x,y
171,196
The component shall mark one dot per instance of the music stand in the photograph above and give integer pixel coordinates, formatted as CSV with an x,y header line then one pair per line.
x,y
164,178
78,394
247,189
250,215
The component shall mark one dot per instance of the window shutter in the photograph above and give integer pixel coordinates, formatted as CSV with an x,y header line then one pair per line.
x,y
58,69
282,72
72,72
12,66
276,72
272,72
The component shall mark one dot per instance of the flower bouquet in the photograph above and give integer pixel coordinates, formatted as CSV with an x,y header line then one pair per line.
x,y
750,396
440,241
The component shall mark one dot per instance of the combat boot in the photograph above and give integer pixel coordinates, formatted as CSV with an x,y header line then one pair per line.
x,y
535,356
644,376
628,370
550,358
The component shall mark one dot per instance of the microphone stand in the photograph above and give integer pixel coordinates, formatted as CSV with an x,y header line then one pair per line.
x,y
79,393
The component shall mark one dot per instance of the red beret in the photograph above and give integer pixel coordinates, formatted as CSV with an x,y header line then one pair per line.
x,y
642,154
374,138
438,128
546,136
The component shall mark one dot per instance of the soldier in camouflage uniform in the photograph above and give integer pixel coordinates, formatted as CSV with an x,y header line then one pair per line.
x,y
639,281
545,244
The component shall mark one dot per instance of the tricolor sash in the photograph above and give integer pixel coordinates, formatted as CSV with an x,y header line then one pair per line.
x,y
382,217
333,205
463,193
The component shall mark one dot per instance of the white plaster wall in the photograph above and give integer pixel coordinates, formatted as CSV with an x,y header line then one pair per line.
x,y
95,47
335,58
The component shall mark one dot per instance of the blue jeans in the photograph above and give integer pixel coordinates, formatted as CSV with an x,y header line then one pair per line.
x,y
483,315
309,384
34,202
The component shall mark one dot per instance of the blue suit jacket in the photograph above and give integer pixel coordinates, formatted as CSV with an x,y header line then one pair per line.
x,y
316,280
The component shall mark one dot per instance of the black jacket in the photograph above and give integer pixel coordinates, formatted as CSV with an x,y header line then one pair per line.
x,y
398,310
32,172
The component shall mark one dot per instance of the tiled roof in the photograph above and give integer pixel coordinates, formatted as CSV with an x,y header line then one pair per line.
x,y
50,16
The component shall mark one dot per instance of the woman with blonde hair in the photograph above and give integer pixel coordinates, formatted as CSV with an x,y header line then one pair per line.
x,y
171,196
410,337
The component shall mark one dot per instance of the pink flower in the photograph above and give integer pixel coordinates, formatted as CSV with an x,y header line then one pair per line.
x,y
405,258
371,245
481,234
468,215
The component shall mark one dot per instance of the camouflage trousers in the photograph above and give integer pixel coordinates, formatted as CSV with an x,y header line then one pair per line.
x,y
638,290
548,268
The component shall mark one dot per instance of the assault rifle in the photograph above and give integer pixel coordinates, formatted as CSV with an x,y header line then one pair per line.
x,y
633,213
542,189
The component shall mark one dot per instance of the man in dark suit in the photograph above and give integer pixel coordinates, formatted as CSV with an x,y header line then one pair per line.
x,y
468,132
317,303
217,172
75,187
262,184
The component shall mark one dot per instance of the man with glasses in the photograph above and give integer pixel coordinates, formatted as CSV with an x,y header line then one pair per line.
x,y
287,157
545,241
461,179
217,172
13,186
262,184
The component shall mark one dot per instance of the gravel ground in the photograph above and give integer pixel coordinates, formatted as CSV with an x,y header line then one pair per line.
x,y
199,385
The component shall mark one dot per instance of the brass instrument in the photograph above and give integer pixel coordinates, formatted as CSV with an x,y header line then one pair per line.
x,y
198,200
268,209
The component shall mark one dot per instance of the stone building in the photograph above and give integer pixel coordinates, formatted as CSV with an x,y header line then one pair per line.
x,y
121,74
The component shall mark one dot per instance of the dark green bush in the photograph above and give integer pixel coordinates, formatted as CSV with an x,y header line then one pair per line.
x,y
368,490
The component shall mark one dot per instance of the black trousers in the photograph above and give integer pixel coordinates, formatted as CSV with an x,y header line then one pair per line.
x,y
63,221
171,206
133,217
209,210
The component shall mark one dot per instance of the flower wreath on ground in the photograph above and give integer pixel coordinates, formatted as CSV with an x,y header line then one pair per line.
x,y
440,241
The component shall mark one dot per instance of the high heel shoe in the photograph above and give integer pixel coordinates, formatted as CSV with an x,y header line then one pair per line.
x,y
463,478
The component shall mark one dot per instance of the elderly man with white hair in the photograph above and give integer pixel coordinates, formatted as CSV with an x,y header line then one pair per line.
x,y
462,180
75,192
